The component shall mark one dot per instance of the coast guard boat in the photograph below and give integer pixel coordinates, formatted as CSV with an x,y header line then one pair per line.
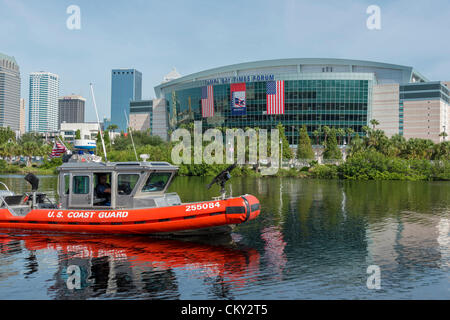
x,y
135,202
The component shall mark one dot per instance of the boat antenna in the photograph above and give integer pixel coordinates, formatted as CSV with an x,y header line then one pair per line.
x,y
98,122
131,135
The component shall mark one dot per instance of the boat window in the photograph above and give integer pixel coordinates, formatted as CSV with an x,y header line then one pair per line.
x,y
66,183
102,189
156,181
80,185
126,183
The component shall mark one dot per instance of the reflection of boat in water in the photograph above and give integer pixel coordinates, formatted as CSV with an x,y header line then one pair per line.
x,y
141,265
122,198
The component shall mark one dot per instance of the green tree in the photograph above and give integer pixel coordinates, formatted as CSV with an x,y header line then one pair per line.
x,y
112,127
332,150
356,145
316,135
374,123
326,131
340,133
286,151
9,150
349,132
6,134
441,151
30,149
304,148
78,134
106,138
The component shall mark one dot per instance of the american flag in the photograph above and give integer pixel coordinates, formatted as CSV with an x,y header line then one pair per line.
x,y
58,150
275,97
207,102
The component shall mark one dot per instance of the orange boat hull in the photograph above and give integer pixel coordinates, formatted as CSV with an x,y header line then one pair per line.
x,y
164,220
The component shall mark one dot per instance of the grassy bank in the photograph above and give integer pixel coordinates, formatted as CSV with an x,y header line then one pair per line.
x,y
47,168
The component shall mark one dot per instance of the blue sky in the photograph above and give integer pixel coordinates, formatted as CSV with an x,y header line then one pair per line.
x,y
155,36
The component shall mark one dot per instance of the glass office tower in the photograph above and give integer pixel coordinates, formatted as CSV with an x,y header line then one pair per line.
x,y
126,86
44,93
9,92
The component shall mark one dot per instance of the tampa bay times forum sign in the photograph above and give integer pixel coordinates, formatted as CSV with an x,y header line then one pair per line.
x,y
249,78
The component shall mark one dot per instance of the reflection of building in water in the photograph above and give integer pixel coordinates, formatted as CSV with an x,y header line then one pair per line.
x,y
274,249
411,241
444,241
111,273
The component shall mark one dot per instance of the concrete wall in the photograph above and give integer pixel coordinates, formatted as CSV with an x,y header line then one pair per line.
x,y
159,123
140,121
385,107
424,119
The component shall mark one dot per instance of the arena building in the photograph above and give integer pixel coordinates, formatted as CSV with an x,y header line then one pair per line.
x,y
336,93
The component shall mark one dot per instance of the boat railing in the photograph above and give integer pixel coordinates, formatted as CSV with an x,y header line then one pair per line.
x,y
4,184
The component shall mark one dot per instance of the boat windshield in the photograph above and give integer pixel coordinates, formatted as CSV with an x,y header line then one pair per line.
x,y
156,181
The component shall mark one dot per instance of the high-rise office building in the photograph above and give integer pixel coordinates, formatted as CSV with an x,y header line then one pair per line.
x,y
22,126
9,92
141,115
126,86
71,109
44,92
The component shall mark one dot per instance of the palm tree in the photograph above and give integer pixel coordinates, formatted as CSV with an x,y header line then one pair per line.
x,y
340,133
349,131
441,151
29,149
443,134
374,122
326,131
316,134
9,150
112,127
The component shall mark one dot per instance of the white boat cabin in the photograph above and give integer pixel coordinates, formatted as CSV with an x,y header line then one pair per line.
x,y
116,185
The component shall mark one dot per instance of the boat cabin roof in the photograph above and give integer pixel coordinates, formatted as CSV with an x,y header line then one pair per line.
x,y
118,166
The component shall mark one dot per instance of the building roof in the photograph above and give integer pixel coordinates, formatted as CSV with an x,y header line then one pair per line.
x,y
6,57
408,74
72,97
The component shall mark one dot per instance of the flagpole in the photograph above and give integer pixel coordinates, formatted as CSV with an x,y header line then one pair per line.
x,y
131,135
98,122
62,143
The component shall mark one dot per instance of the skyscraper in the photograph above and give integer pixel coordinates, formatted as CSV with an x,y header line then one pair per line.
x,y
22,126
9,92
44,92
71,109
126,86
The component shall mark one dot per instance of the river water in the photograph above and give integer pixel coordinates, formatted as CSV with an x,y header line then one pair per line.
x,y
314,239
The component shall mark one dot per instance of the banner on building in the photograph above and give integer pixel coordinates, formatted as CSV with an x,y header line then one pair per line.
x,y
238,102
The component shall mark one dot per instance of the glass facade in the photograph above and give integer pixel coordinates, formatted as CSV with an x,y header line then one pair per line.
x,y
126,86
427,91
338,103
44,93
9,92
